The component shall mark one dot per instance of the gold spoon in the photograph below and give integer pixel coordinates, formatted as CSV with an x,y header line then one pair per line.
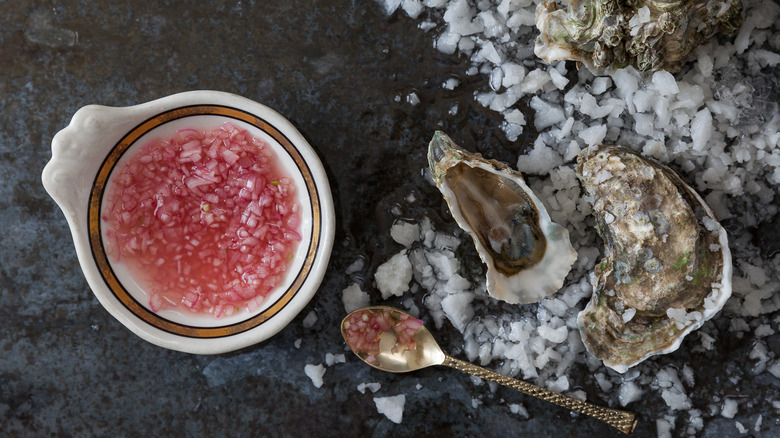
x,y
426,352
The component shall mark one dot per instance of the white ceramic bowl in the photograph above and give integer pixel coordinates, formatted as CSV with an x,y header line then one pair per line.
x,y
99,139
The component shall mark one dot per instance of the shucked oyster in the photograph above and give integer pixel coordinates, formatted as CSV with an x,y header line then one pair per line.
x,y
527,255
649,34
667,264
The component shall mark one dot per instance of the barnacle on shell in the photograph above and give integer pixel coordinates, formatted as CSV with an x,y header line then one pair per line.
x,y
649,34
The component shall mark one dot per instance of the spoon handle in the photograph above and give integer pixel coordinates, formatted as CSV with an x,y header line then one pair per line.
x,y
621,420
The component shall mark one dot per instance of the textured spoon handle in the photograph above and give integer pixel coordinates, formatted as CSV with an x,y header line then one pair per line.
x,y
621,420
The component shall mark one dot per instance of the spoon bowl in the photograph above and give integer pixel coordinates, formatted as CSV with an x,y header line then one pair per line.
x,y
376,340
425,354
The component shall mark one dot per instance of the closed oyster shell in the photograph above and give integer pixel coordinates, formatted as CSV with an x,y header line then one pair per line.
x,y
667,265
527,255
649,34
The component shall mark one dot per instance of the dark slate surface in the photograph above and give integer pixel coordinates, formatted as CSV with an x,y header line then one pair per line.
x,y
340,71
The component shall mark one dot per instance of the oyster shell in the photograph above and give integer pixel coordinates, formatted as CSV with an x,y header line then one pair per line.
x,y
527,255
667,264
650,35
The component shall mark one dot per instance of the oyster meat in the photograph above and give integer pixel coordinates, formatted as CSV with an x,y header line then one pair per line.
x,y
650,35
527,255
666,267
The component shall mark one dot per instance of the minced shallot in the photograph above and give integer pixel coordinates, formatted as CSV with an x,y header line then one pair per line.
x,y
205,220
364,330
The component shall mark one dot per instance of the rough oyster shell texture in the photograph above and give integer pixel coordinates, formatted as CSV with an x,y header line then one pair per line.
x,y
527,255
667,265
650,35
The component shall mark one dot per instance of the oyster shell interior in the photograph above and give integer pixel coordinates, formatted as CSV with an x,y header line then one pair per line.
x,y
666,267
527,255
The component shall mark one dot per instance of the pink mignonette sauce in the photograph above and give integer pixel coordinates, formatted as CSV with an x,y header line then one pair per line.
x,y
205,221
364,330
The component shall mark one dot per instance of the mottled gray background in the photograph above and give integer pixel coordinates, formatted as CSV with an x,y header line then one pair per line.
x,y
340,71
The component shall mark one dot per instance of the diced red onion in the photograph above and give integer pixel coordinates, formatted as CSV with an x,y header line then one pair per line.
x,y
201,190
